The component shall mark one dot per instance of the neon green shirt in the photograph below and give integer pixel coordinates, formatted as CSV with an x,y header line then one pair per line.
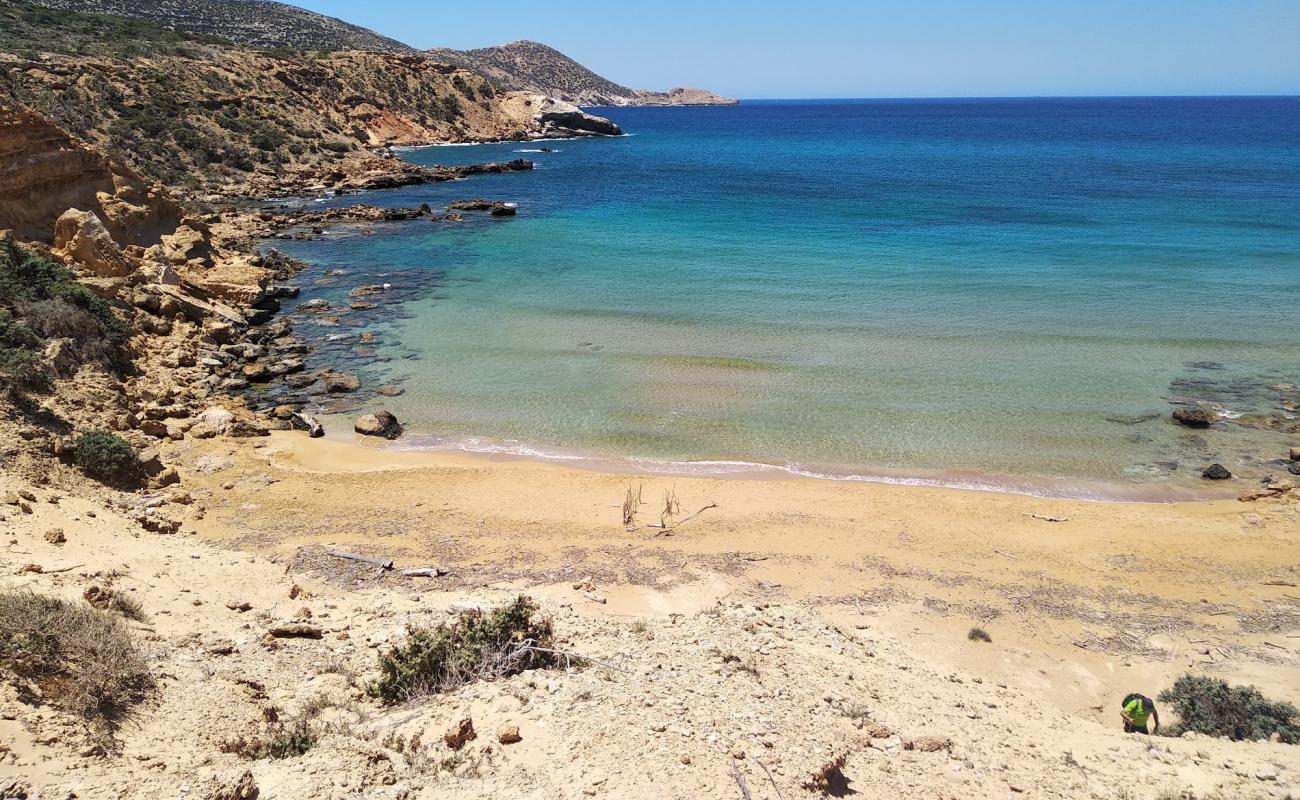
x,y
1137,712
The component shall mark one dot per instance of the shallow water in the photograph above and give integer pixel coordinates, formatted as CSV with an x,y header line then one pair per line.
x,y
919,288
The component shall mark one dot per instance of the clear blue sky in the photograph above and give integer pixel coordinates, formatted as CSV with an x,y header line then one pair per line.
x,y
871,48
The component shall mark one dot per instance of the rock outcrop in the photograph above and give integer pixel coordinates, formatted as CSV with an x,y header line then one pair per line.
x,y
81,239
44,172
223,121
537,69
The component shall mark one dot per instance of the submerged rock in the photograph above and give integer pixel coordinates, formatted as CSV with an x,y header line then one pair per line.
x,y
1194,417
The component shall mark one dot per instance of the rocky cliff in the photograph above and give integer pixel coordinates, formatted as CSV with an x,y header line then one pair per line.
x,y
256,23
44,172
533,67
214,119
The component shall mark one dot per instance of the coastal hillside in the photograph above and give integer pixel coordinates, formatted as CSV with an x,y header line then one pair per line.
x,y
533,67
208,117
255,23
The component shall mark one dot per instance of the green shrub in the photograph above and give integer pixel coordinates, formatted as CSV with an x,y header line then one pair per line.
x,y
476,647
1212,707
83,660
40,299
21,366
107,456
293,740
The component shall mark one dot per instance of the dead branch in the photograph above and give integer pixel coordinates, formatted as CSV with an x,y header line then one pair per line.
x,y
772,780
1279,583
667,530
424,572
740,781
528,647
382,563
1047,517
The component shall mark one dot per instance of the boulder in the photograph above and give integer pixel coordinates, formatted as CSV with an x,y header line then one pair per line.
x,y
314,306
381,423
81,238
217,418
340,382
1194,417
241,428
1216,472
1294,455
458,735
190,243
303,422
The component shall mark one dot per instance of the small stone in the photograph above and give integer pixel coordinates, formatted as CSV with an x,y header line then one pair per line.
x,y
1216,472
685,759
460,733
509,734
55,536
1266,774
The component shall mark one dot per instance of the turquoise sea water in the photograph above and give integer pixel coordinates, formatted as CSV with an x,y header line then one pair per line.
x,y
963,290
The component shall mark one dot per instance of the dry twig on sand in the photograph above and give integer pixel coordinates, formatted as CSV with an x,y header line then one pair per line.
x,y
665,530
772,780
382,563
740,781
1047,517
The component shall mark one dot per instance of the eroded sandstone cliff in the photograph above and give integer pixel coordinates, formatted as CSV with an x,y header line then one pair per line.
x,y
44,172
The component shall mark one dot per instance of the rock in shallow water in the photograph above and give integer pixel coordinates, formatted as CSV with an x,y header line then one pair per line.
x,y
381,423
1194,417
1216,472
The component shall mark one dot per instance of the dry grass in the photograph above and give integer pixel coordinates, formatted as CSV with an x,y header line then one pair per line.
x,y
79,659
631,503
979,635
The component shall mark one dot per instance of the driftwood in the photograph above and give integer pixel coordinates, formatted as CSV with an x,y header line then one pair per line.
x,y
382,563
296,630
424,572
1279,583
1047,517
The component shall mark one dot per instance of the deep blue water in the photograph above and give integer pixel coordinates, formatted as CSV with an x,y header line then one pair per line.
x,y
966,286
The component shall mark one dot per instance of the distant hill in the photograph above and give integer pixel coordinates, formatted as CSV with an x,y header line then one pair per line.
x,y
253,23
533,67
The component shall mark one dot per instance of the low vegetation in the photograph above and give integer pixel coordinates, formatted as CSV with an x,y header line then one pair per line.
x,y
107,456
1212,707
478,646
284,740
27,29
41,301
75,657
